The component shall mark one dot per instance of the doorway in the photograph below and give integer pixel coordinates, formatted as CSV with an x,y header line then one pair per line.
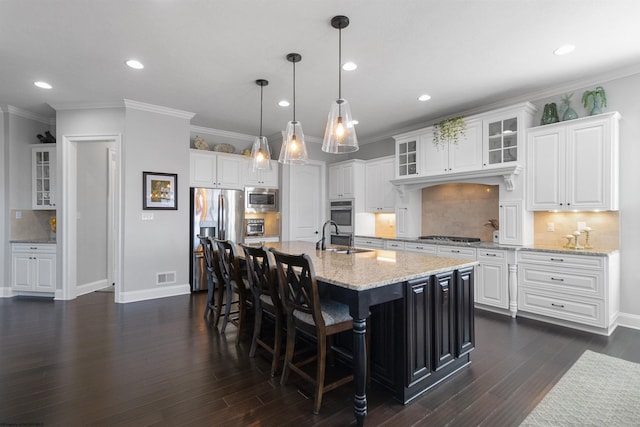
x,y
90,213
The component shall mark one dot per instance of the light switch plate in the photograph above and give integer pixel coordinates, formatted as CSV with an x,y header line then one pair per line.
x,y
147,216
551,226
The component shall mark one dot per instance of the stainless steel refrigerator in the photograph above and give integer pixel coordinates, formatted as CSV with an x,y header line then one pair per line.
x,y
218,214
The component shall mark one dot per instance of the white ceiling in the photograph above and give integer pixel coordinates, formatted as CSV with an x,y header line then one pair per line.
x,y
203,56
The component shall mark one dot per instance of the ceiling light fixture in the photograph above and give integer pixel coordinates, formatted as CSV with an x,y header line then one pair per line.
x,y
284,103
260,153
349,66
340,135
293,150
424,97
135,64
564,49
43,85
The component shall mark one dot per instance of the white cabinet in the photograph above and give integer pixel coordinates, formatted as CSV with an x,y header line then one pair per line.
x,y
216,170
421,248
460,252
346,180
515,223
573,165
368,242
394,245
33,267
492,284
261,178
407,155
380,195
503,135
465,155
43,177
581,289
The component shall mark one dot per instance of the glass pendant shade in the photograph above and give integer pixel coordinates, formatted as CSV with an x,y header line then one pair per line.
x,y
260,154
340,134
294,150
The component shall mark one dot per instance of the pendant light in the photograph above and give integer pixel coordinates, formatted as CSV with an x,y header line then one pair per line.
x,y
294,150
260,153
340,135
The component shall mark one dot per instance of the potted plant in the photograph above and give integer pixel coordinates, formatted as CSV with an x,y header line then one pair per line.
x,y
594,100
448,131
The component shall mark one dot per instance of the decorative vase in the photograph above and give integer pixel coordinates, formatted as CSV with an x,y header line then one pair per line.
x,y
569,114
597,106
549,114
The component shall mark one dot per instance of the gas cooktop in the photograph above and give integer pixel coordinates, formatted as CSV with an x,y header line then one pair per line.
x,y
451,239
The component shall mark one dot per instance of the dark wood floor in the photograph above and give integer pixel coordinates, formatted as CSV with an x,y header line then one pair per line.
x,y
157,363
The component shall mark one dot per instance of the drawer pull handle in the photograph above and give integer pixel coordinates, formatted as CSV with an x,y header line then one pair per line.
x,y
419,247
557,259
557,305
455,251
491,255
557,280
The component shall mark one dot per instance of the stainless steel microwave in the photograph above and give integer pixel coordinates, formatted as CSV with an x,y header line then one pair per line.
x,y
261,199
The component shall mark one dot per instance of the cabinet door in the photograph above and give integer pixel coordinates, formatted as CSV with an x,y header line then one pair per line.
x,y
22,278
261,178
510,215
501,141
43,172
373,180
465,326
348,187
229,172
407,152
387,189
45,273
335,182
435,158
202,170
546,171
443,320
466,154
588,166
419,329
492,284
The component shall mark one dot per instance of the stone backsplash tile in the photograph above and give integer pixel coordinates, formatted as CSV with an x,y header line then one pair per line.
x,y
34,225
605,227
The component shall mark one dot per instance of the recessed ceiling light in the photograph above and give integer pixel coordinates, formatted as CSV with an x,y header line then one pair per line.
x,y
564,49
424,97
355,122
283,103
43,85
349,66
135,64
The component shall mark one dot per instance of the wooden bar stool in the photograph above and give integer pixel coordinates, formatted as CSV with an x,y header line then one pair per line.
x,y
305,310
263,283
235,283
215,280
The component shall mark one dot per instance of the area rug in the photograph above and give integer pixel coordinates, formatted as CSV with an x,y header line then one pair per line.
x,y
598,390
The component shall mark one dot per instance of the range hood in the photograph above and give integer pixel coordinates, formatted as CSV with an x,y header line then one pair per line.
x,y
506,173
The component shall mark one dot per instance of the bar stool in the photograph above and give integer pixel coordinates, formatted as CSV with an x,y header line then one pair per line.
x,y
235,283
305,310
263,283
215,280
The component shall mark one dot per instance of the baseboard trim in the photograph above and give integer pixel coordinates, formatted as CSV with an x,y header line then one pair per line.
x,y
148,294
6,292
87,288
629,320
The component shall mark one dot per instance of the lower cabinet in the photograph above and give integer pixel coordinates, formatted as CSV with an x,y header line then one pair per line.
x,y
368,242
33,267
493,289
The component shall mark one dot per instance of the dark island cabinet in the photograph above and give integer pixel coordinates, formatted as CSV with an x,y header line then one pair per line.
x,y
444,311
419,358
465,335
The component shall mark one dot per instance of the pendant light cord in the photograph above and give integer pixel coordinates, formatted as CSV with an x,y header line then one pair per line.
x,y
340,63
294,91
261,94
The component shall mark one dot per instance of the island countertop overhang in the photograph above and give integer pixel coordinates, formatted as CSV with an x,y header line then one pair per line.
x,y
371,269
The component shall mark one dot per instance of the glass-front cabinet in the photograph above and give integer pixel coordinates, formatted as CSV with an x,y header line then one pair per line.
x,y
43,172
502,141
407,157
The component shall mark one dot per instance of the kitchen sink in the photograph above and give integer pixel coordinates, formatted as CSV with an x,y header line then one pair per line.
x,y
347,251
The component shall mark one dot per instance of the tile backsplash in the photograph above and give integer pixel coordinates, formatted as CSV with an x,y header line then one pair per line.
x,y
33,225
460,210
605,228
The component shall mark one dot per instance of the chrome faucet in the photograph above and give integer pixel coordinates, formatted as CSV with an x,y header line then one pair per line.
x,y
322,243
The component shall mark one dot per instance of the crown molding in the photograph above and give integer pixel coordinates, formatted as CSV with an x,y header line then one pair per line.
x,y
136,105
222,133
27,114
86,106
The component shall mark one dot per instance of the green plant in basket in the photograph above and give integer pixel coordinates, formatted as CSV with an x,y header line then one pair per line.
x,y
594,100
449,131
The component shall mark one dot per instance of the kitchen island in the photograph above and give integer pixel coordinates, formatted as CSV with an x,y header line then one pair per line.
x,y
424,307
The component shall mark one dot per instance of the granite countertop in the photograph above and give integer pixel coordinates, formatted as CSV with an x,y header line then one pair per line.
x,y
39,241
370,269
597,251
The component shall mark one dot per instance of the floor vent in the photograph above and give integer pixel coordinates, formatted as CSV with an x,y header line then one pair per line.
x,y
166,278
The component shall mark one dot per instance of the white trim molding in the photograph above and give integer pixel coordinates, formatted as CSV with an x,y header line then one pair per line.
x,y
27,114
87,106
136,105
222,133
149,294
629,320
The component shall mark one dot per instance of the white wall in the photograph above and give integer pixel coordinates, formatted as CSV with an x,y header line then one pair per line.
x,y
5,264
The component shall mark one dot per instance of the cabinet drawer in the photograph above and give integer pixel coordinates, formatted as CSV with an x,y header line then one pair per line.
x,y
491,255
457,252
45,248
421,248
558,259
364,242
576,282
394,245
586,311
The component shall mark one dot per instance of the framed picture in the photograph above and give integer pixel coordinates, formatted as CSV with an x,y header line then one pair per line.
x,y
159,190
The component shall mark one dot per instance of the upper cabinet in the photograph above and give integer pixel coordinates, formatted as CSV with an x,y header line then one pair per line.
x,y
216,170
407,154
346,180
380,196
261,178
43,177
573,165
503,135
462,156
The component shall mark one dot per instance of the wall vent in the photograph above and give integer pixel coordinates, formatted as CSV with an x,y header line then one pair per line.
x,y
166,278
